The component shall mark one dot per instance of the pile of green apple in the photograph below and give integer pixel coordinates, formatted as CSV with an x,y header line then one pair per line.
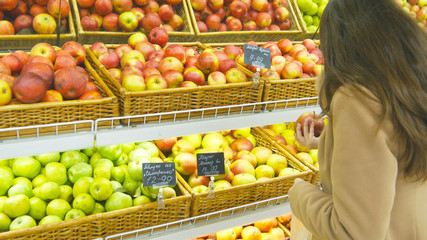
x,y
245,162
54,187
312,11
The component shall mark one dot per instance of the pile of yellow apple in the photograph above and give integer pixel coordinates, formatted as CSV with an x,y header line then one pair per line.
x,y
245,162
266,229
53,187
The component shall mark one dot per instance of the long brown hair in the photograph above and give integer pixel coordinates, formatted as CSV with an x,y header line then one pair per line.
x,y
375,44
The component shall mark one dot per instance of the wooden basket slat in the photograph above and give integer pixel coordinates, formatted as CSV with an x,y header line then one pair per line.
x,y
186,34
20,115
27,41
175,99
105,224
294,33
249,193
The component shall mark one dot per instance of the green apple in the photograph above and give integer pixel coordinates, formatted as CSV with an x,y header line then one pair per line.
x,y
103,162
78,171
39,180
21,188
214,141
131,185
71,158
26,167
98,209
135,168
314,9
47,191
289,136
4,162
16,206
117,187
138,154
313,153
4,222
82,186
101,189
195,139
277,162
241,132
200,189
123,159
58,207
49,220
305,5
150,147
22,222
46,158
102,171
2,201
95,157
84,157
89,151
141,200
118,200
66,192
118,174
127,147
23,180
111,152
168,192
243,178
37,208
156,160
264,171
288,171
6,179
56,172
84,202
74,214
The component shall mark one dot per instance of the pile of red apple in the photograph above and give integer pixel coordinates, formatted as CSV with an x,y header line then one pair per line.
x,y
147,64
237,15
54,187
47,75
266,229
129,15
245,162
288,60
33,16
416,9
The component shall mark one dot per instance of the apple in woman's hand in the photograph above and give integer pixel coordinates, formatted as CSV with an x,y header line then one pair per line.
x,y
311,117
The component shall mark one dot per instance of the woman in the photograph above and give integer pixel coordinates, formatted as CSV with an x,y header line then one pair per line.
x,y
373,151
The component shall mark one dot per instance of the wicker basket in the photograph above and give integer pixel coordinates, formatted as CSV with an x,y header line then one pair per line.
x,y
89,37
294,33
298,13
283,147
105,224
249,193
175,99
20,115
28,41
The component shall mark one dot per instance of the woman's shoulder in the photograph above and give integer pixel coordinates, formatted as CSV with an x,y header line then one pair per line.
x,y
350,96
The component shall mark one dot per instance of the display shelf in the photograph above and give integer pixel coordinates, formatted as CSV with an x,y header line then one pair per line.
x,y
205,120
32,140
210,223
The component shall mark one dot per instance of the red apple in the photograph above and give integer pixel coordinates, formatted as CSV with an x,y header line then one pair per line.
x,y
139,13
4,69
150,71
76,50
116,73
85,3
281,14
217,78
44,23
194,75
70,82
29,88
146,48
157,55
250,26
202,26
186,163
311,117
291,70
55,11
136,63
109,59
89,23
226,65
263,19
22,22
98,48
121,6
36,9
150,21
158,36
213,21
151,7
155,82
238,8
260,5
195,180
235,75
207,62
173,78
41,59
166,12
13,62
103,7
198,5
20,9
234,24
176,22
122,49
286,25
165,144
177,51
64,61
188,84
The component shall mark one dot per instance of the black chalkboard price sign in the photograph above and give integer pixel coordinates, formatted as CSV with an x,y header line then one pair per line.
x,y
158,174
210,164
257,56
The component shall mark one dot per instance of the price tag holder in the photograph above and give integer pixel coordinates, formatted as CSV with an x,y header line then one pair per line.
x,y
257,56
158,175
210,164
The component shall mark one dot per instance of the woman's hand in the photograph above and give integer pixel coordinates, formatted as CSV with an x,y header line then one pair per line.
x,y
306,138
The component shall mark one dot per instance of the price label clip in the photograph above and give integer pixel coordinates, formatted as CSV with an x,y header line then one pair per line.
x,y
255,78
211,188
160,199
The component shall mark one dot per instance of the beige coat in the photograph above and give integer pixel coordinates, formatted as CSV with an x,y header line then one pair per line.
x,y
364,195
